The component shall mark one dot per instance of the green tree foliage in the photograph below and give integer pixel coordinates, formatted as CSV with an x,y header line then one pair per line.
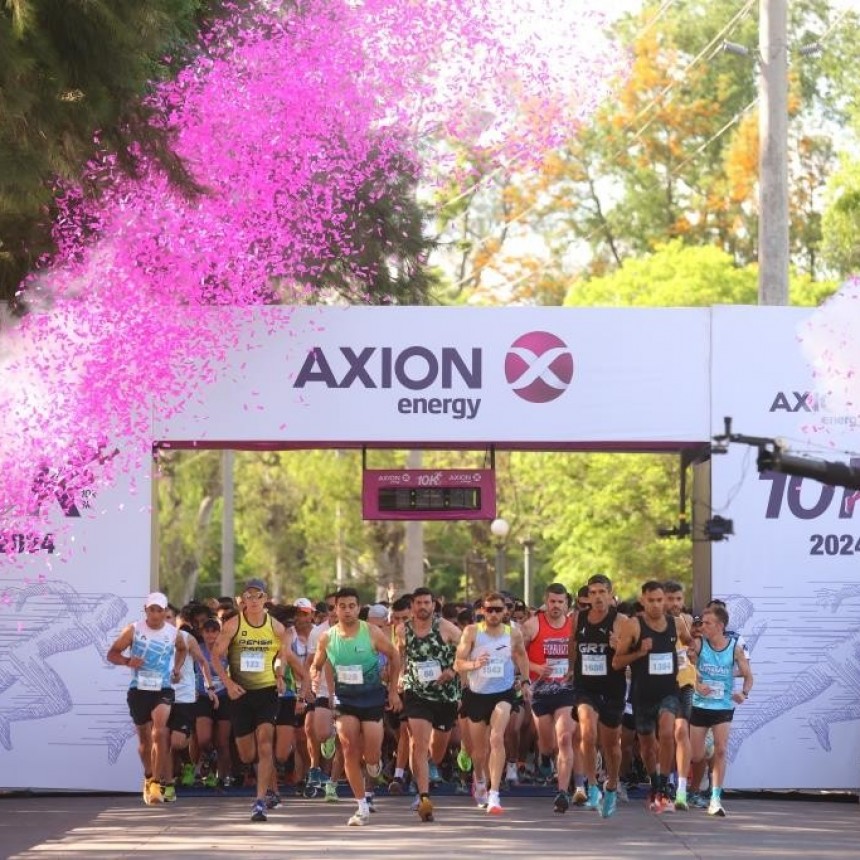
x,y
69,69
841,225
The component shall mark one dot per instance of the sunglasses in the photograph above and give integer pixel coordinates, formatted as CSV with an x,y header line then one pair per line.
x,y
253,595
494,609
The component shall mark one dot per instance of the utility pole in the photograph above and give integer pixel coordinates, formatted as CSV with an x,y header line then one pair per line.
x,y
228,539
773,153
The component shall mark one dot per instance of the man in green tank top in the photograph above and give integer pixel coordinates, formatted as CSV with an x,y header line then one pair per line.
x,y
352,648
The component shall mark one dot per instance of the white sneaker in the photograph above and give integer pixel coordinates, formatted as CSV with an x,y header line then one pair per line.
x,y
715,807
494,805
622,793
480,794
358,819
512,775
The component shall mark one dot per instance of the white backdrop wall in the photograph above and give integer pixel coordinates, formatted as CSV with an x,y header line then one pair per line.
x,y
593,378
791,573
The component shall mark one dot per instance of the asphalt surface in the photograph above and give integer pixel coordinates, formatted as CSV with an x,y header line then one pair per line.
x,y
88,826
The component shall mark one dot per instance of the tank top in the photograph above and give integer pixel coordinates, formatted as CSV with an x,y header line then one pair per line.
x,y
217,683
426,658
498,675
550,648
157,648
186,686
593,661
320,686
357,681
717,670
252,654
655,675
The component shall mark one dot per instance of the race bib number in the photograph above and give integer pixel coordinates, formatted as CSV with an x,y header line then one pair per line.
x,y
148,680
717,690
660,664
428,671
350,675
493,669
252,661
593,664
558,668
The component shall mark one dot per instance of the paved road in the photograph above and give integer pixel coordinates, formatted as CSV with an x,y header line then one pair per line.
x,y
70,827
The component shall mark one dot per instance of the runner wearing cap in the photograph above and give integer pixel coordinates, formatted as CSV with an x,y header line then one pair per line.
x,y
350,648
155,655
252,641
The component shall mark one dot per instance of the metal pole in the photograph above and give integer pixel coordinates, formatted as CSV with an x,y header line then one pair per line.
x,y
228,567
773,239
528,546
500,565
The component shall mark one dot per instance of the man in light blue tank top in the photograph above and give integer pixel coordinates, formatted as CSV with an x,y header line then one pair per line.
x,y
714,698
491,653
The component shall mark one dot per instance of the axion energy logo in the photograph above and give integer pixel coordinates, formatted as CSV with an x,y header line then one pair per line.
x,y
539,367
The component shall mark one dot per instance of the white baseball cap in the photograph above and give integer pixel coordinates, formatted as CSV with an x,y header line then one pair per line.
x,y
304,604
156,598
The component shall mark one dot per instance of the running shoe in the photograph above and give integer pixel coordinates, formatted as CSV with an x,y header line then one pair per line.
x,y
579,796
480,793
147,782
413,807
258,811
494,805
681,801
273,799
425,809
229,781
715,807
328,747
187,776
464,761
435,776
561,803
661,804
168,793
512,775
315,776
397,786
155,792
370,804
594,798
697,800
610,800
211,780
358,819
622,793
545,770
330,790
461,788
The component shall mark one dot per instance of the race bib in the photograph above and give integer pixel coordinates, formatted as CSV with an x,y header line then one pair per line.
x,y
252,661
558,668
493,669
593,664
660,664
148,680
428,671
350,675
717,690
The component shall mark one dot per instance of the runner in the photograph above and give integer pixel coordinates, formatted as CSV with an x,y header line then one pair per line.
x,y
213,719
155,657
686,679
648,644
600,690
547,637
490,652
351,647
252,641
431,688
713,701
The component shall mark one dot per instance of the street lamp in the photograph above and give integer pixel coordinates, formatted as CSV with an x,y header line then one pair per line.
x,y
500,529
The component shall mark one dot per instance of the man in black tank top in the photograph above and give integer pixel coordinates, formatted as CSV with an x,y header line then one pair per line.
x,y
600,690
648,645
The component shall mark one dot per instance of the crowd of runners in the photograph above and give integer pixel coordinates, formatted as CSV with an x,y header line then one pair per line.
x,y
587,694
